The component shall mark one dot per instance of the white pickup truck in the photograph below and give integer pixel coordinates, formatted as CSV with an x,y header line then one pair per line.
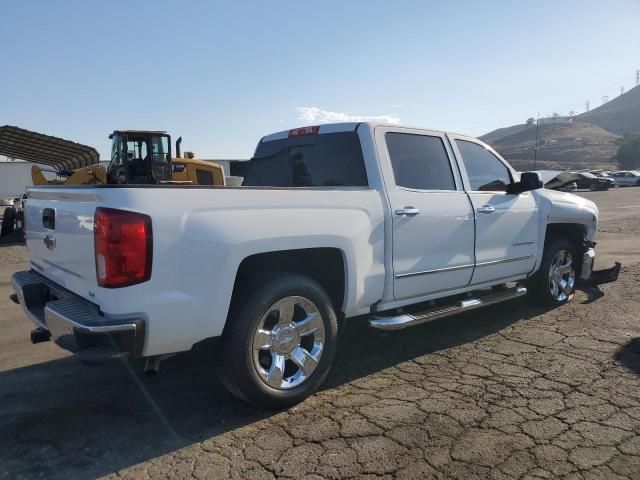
x,y
401,225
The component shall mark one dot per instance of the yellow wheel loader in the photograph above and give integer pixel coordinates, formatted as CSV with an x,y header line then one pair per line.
x,y
137,157
144,157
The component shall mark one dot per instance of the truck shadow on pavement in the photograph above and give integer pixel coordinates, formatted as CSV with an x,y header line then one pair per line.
x,y
66,420
629,355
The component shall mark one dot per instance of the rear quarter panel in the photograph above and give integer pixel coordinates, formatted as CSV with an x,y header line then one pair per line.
x,y
202,235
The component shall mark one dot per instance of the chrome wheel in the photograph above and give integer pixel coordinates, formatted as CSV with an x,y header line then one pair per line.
x,y
562,276
288,342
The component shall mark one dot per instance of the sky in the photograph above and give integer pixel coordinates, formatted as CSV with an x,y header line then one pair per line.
x,y
224,74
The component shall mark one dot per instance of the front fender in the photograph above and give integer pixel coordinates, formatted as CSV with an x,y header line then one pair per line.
x,y
564,208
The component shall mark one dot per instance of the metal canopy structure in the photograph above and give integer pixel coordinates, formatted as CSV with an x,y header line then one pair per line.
x,y
37,147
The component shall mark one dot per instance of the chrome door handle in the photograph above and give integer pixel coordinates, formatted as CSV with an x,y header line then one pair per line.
x,y
486,209
408,211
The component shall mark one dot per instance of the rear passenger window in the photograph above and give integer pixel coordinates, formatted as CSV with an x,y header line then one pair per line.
x,y
486,173
420,162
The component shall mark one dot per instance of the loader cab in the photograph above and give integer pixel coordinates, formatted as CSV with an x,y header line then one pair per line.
x,y
139,157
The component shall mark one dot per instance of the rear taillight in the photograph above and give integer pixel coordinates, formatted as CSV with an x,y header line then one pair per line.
x,y
298,132
123,247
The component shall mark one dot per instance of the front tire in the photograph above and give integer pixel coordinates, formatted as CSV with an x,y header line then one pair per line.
x,y
279,342
554,283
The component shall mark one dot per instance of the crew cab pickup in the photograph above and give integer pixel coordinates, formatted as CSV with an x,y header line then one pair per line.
x,y
401,225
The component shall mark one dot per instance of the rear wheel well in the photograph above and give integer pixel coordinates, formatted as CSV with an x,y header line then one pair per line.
x,y
324,265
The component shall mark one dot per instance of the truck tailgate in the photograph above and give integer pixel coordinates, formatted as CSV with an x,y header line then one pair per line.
x,y
59,232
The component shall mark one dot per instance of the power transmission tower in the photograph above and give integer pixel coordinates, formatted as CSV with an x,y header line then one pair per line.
x,y
637,77
535,150
586,105
604,99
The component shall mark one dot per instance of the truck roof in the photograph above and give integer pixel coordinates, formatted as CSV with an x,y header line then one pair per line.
x,y
348,127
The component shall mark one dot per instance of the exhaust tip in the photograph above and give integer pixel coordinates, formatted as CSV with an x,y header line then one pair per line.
x,y
152,366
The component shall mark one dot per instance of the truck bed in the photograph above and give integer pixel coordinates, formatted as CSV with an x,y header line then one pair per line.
x,y
200,237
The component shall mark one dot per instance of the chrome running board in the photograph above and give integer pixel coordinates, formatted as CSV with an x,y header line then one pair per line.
x,y
409,320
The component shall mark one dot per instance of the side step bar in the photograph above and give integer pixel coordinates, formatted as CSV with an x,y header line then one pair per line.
x,y
409,320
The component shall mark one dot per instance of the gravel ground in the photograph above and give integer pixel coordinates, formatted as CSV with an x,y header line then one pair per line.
x,y
507,392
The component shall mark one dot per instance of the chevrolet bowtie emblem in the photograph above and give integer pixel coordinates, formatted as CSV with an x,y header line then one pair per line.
x,y
50,242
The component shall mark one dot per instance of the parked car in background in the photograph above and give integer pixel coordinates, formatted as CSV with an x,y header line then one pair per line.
x,y
593,182
564,181
626,178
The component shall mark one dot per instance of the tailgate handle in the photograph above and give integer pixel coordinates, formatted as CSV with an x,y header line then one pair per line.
x,y
49,218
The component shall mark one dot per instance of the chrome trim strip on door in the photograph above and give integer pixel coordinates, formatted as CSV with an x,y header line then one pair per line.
x,y
437,270
503,260
462,267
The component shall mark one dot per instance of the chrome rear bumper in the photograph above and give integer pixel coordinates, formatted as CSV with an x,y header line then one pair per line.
x,y
74,323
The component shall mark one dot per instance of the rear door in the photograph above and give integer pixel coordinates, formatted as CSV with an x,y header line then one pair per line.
x,y
59,231
506,224
432,218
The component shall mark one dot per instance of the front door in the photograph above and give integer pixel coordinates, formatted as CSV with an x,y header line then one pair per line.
x,y
432,219
506,224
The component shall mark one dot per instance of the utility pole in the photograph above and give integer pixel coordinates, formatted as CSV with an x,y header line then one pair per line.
x,y
637,77
535,149
604,99
586,105
621,90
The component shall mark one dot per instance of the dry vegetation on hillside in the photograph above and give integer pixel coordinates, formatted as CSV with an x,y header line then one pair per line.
x,y
571,145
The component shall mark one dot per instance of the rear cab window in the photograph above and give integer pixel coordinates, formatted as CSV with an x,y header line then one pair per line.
x,y
318,160
419,162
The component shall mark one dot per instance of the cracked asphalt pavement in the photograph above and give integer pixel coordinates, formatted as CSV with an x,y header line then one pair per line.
x,y
511,391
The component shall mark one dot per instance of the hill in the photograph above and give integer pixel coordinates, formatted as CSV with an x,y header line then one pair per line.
x,y
588,141
503,132
573,145
620,115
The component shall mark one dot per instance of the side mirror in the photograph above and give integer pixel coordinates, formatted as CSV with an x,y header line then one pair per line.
x,y
528,181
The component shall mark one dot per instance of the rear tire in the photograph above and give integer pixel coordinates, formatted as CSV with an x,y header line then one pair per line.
x,y
554,283
279,342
